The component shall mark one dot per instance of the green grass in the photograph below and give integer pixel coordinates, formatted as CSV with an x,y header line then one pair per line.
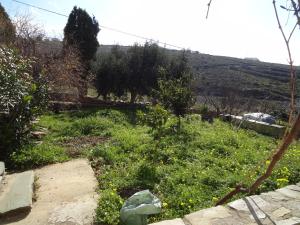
x,y
188,169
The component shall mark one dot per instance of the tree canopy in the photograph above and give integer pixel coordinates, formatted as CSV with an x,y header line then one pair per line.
x,y
81,31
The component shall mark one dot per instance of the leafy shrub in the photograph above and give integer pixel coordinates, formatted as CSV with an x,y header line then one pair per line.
x,y
103,152
89,126
109,206
147,176
155,117
21,98
39,155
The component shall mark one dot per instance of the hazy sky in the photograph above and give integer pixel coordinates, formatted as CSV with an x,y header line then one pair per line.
x,y
237,28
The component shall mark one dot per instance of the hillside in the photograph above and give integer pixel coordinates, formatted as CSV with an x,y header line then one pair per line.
x,y
220,76
248,78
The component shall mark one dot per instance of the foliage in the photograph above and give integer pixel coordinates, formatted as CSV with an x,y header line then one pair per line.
x,y
111,74
31,156
143,63
81,31
176,93
188,170
134,71
154,117
109,205
21,98
7,30
174,86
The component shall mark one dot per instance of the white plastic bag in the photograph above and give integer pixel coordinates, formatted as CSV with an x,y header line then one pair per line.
x,y
137,208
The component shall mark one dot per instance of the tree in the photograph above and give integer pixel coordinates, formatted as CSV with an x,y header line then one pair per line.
x,y
176,93
111,73
175,86
81,32
28,35
143,63
135,76
7,29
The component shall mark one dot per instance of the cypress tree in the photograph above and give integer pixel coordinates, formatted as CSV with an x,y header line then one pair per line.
x,y
81,32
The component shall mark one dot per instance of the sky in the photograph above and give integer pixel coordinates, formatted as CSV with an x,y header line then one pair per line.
x,y
236,28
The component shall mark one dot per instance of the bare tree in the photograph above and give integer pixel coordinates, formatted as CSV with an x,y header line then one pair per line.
x,y
64,74
28,34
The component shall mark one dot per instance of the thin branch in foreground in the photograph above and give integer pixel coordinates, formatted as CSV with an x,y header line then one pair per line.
x,y
292,68
288,139
208,7
290,135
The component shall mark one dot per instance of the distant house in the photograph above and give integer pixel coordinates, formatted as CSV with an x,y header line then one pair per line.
x,y
252,59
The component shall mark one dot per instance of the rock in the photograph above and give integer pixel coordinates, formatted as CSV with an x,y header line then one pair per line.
x,y
17,193
293,187
291,221
170,222
281,212
289,192
206,216
76,212
38,134
2,168
66,196
275,196
254,205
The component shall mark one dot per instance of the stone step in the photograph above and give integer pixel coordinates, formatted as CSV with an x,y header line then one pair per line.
x,y
2,168
281,207
16,195
2,172
170,222
290,191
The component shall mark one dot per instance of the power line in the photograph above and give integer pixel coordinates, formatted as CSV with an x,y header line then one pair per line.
x,y
104,27
33,6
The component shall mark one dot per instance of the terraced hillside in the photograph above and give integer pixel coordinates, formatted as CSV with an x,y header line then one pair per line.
x,y
220,76
217,75
247,78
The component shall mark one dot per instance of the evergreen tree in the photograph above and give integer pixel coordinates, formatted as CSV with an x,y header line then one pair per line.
x,y
7,29
81,31
111,74
143,63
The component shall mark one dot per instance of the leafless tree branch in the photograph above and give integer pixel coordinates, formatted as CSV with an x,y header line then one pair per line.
x,y
208,7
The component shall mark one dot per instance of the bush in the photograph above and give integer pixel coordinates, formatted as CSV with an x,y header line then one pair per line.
x,y
155,117
109,206
34,156
21,98
89,126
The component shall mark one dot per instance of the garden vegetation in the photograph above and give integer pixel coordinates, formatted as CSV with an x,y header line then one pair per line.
x,y
188,169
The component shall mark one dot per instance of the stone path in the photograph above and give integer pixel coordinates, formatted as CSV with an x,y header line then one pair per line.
x,y
280,207
65,195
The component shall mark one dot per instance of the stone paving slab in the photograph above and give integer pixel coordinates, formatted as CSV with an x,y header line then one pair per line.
x,y
66,196
289,192
280,207
206,216
2,168
290,221
294,187
170,222
17,193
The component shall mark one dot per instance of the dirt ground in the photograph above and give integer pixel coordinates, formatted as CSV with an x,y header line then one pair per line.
x,y
65,195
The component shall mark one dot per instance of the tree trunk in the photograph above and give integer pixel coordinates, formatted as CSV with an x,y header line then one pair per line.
x,y
133,96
